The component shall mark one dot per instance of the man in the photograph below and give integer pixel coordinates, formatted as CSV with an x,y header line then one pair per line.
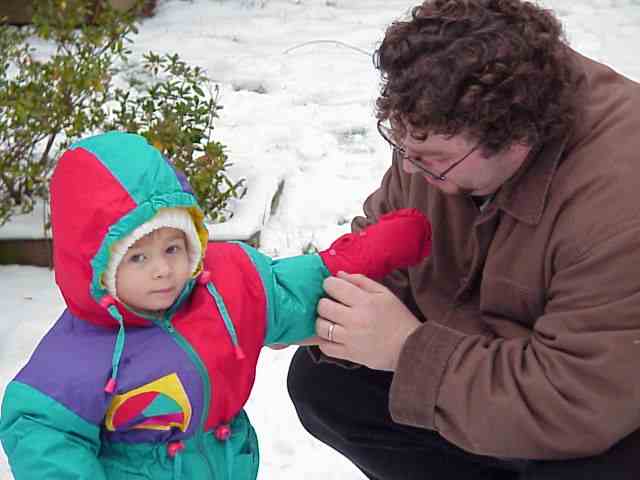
x,y
512,352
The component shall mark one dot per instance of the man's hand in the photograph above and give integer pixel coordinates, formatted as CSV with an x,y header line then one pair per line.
x,y
371,323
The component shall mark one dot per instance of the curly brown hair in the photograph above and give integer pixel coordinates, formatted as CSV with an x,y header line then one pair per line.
x,y
498,70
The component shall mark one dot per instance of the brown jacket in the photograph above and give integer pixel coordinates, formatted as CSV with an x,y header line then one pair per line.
x,y
531,344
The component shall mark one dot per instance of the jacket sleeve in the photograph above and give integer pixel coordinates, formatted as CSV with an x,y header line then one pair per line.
x,y
568,390
44,439
293,285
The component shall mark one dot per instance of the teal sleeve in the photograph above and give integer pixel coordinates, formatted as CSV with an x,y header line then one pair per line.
x,y
293,287
44,439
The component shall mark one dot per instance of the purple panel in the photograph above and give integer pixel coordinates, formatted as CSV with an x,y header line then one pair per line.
x,y
184,183
73,362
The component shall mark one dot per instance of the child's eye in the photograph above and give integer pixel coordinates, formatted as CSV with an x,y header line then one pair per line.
x,y
173,249
137,258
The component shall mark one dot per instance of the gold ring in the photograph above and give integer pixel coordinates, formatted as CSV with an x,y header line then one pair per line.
x,y
330,334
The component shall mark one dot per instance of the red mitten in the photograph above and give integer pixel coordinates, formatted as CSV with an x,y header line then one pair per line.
x,y
400,239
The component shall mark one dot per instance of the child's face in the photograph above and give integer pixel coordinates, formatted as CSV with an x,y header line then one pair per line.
x,y
154,270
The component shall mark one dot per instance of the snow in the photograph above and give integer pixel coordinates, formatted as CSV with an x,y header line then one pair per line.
x,y
298,95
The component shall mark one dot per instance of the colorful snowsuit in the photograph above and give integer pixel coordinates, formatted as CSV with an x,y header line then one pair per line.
x,y
175,387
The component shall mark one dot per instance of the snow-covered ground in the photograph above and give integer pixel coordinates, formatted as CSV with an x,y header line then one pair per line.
x,y
298,95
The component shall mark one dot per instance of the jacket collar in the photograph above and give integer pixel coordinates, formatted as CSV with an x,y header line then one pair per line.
x,y
524,195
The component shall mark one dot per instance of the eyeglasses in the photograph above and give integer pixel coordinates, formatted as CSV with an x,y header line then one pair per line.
x,y
386,133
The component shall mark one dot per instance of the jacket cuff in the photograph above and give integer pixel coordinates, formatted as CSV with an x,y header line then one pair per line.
x,y
318,357
416,381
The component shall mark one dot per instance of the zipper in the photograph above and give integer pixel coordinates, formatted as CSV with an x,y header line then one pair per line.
x,y
166,325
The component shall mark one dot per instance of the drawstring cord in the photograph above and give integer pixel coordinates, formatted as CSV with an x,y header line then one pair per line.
x,y
174,450
229,455
205,279
109,303
222,433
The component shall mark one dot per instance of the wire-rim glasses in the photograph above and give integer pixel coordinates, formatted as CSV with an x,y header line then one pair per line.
x,y
386,133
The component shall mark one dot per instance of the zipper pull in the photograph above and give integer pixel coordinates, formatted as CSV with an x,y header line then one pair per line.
x,y
168,325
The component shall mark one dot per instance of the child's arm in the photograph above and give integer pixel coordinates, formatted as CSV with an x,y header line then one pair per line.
x,y
44,439
294,285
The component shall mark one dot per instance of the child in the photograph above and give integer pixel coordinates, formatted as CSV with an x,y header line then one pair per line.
x,y
145,374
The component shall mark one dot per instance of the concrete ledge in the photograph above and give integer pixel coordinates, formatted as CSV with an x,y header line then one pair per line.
x,y
39,252
36,252
22,239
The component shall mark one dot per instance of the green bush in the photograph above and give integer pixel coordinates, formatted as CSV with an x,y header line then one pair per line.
x,y
174,108
47,104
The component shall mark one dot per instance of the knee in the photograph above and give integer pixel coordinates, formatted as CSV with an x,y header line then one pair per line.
x,y
300,379
317,401
311,390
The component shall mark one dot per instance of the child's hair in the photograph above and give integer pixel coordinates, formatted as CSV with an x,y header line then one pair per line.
x,y
178,218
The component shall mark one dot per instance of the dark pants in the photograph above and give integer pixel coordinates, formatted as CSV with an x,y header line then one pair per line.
x,y
349,411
